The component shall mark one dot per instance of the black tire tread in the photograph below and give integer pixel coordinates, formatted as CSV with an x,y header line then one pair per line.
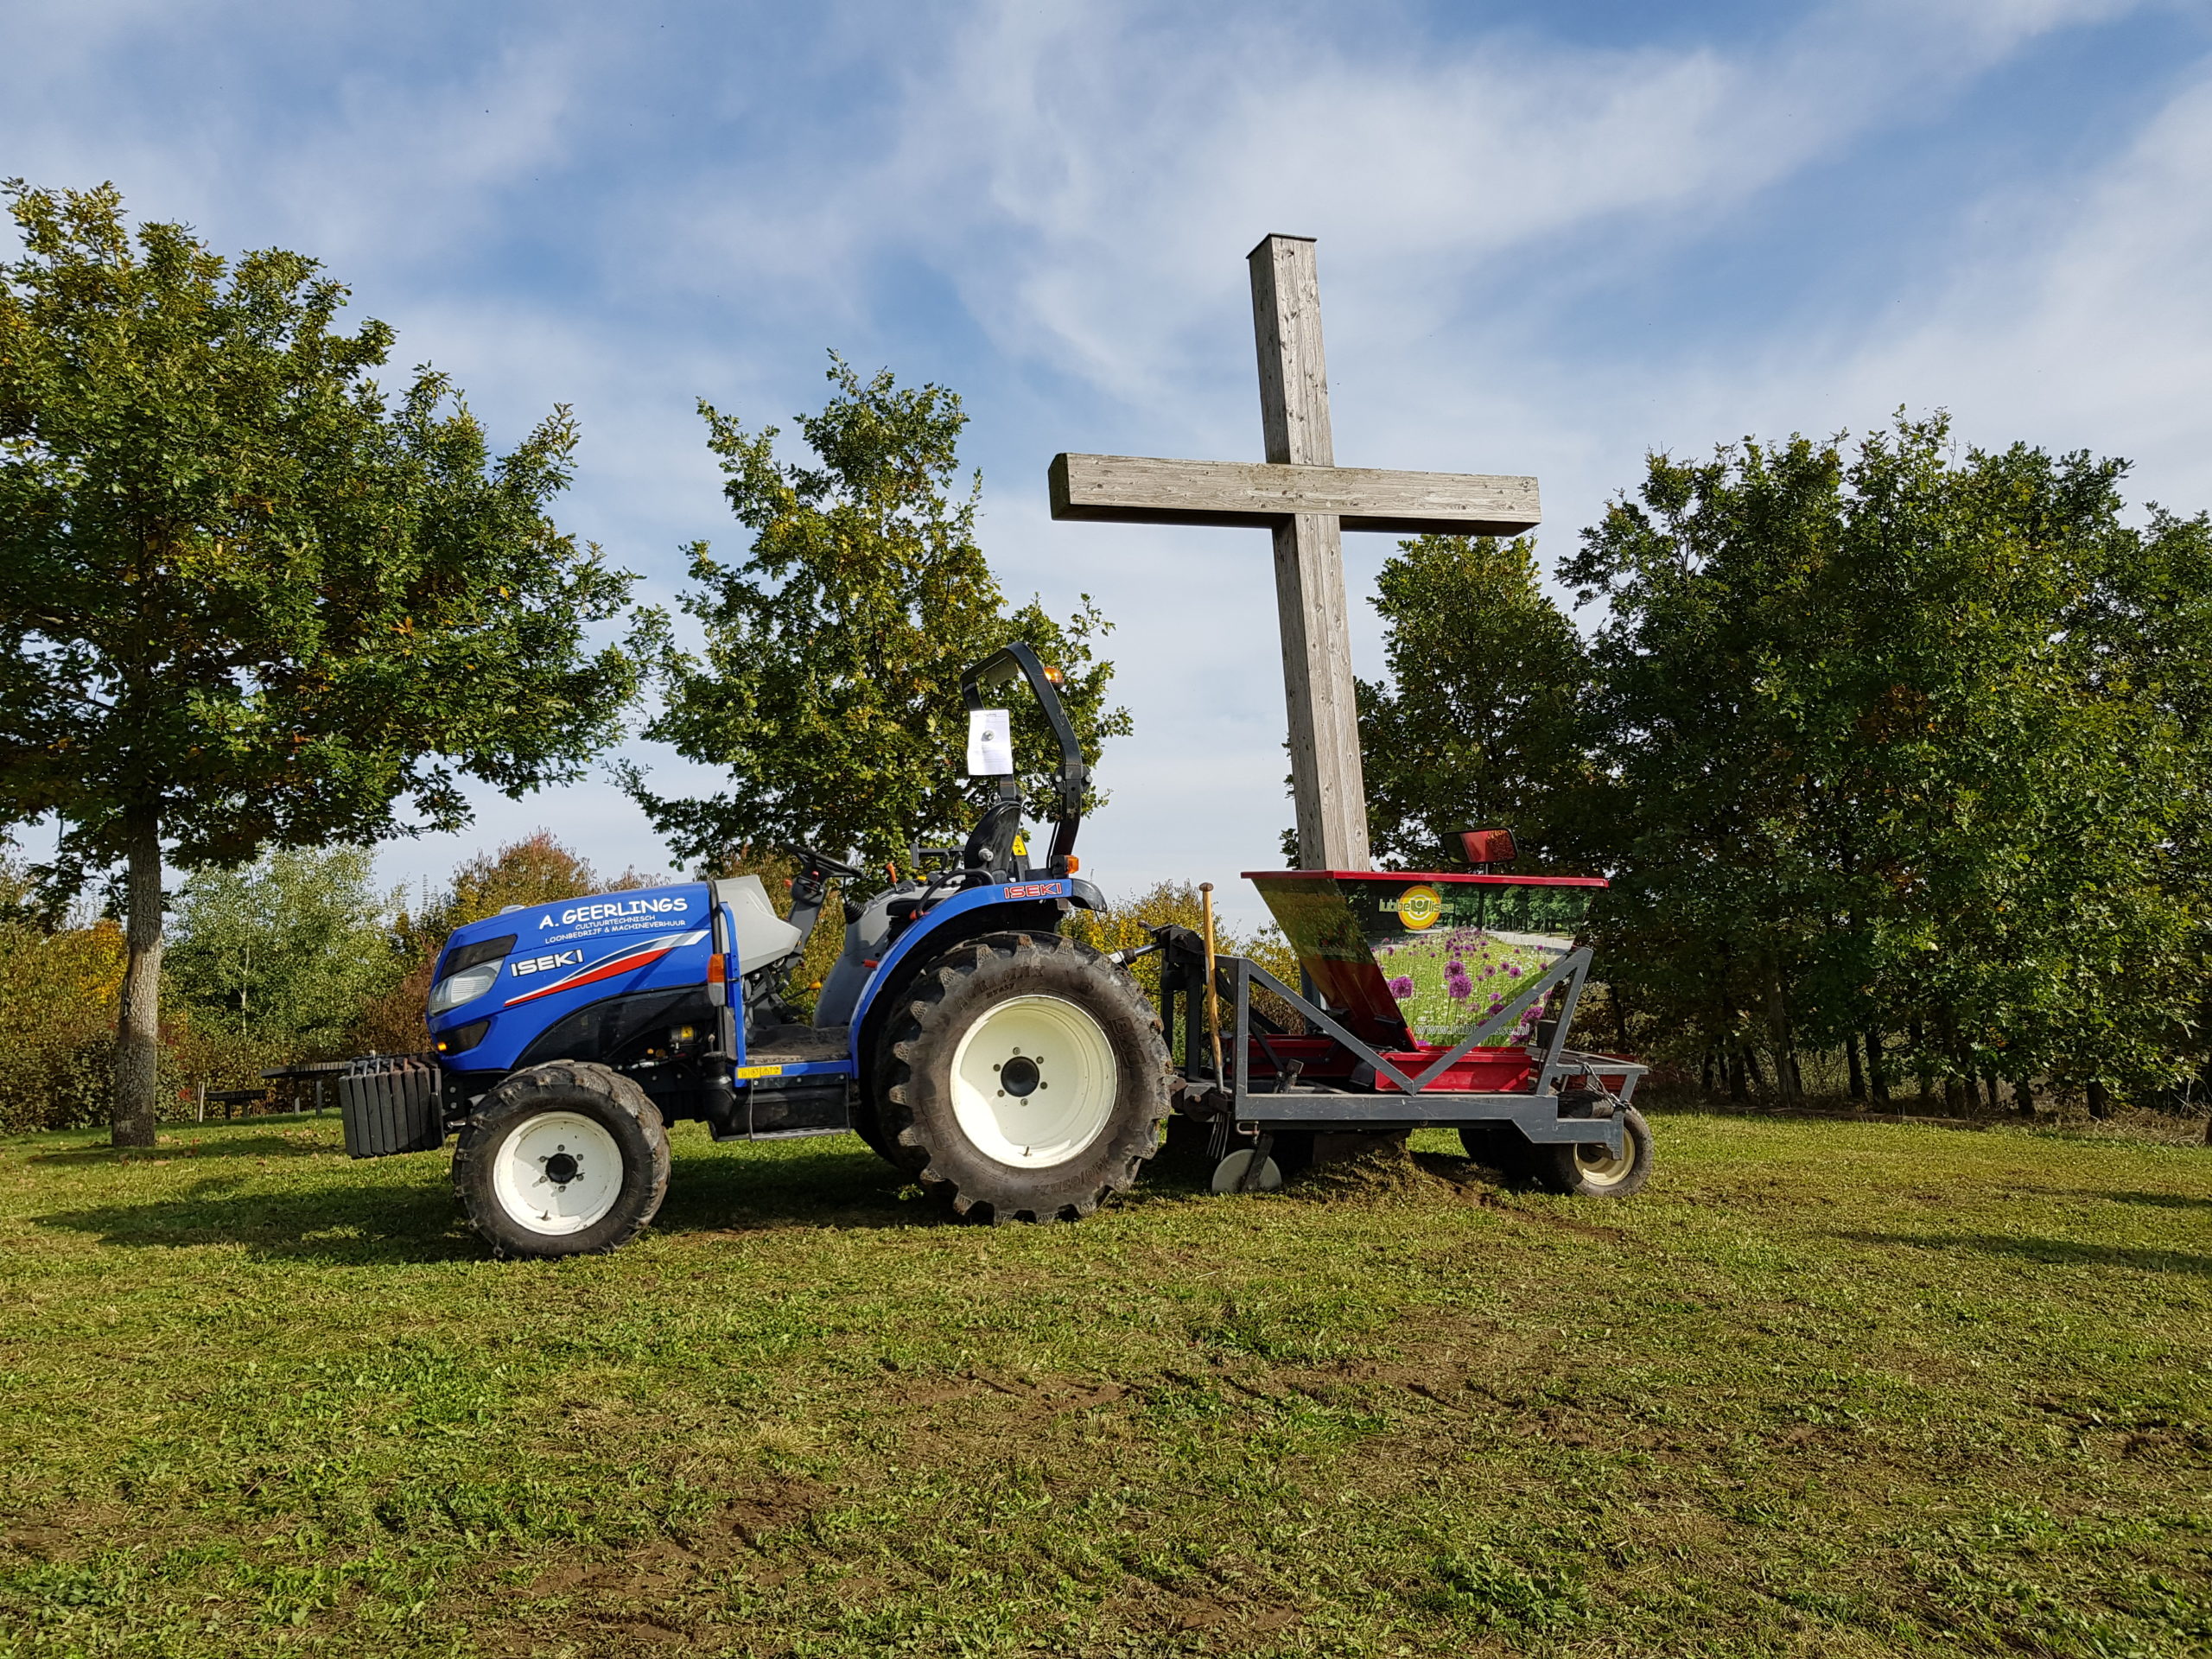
x,y
557,1085
909,1036
1556,1170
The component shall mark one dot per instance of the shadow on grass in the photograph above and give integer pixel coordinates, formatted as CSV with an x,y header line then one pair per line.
x,y
2053,1252
260,1146
401,1209
2156,1200
838,1182
405,1210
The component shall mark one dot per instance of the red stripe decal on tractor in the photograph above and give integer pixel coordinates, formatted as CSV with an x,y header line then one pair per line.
x,y
623,963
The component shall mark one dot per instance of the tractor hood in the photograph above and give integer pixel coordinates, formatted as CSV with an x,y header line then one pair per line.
x,y
527,967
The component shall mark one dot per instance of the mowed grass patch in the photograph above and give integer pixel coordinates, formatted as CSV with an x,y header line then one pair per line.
x,y
1836,1388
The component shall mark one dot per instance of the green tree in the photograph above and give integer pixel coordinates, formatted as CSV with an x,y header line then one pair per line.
x,y
57,988
244,602
1873,769
829,686
1478,725
287,951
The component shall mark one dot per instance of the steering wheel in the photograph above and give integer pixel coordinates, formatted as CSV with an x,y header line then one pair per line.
x,y
821,864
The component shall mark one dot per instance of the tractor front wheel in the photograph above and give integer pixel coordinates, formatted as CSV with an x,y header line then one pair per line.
x,y
565,1159
1025,1078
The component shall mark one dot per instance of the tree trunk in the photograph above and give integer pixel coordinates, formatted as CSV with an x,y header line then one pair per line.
x,y
1739,1088
1877,1074
1960,1075
2100,1100
1851,1060
137,1039
1620,1018
1925,1077
2023,1097
1787,1082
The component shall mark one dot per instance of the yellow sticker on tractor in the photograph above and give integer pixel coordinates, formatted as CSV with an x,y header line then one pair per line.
x,y
760,1070
1418,907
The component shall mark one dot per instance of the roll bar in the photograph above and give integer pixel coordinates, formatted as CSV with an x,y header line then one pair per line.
x,y
1073,777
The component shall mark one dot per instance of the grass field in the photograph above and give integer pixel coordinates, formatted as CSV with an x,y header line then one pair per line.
x,y
1837,1389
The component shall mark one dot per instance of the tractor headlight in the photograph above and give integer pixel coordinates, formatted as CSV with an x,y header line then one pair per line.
x,y
464,987
469,972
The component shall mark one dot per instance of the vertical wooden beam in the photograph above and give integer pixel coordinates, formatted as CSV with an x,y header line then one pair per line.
x,y
1326,783
1293,372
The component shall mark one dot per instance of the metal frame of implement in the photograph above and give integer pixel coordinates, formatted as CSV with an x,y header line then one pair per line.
x,y
1262,1106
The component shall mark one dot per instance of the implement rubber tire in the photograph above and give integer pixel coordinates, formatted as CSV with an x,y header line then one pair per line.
x,y
563,1159
1591,1172
1498,1145
1027,1010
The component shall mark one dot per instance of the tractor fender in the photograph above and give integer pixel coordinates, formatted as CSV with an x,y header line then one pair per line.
x,y
1016,906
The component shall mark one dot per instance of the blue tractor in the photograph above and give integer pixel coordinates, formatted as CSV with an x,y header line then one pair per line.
x,y
1014,1071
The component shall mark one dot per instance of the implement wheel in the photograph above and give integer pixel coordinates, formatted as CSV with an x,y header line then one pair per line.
x,y
565,1159
1590,1172
1501,1147
1025,1078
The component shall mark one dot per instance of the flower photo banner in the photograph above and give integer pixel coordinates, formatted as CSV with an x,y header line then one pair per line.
x,y
1437,954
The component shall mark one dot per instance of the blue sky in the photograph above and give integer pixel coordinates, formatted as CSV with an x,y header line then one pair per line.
x,y
1552,237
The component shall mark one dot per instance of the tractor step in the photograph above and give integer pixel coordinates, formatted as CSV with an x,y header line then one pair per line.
x,y
798,1045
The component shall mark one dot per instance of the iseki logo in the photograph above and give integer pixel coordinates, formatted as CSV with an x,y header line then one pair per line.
x,y
546,964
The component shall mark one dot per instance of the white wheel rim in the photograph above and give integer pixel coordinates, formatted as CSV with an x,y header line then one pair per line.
x,y
557,1173
1601,1168
1034,1081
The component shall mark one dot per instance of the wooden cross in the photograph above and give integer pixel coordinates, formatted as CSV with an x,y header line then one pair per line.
x,y
1308,500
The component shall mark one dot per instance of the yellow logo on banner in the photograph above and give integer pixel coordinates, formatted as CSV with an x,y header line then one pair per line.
x,y
1418,907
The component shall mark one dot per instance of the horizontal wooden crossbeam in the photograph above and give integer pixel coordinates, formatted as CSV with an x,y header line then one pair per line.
x,y
1138,490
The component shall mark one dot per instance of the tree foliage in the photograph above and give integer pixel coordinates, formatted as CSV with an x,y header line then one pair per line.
x,y
288,950
828,689
59,981
246,601
1479,724
1886,756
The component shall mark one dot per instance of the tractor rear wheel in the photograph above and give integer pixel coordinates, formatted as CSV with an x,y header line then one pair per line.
x,y
1589,1170
1024,1078
564,1159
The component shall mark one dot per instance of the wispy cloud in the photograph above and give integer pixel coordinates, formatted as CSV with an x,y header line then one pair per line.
x,y
1046,203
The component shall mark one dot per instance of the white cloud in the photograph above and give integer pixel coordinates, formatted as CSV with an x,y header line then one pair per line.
x,y
2082,325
